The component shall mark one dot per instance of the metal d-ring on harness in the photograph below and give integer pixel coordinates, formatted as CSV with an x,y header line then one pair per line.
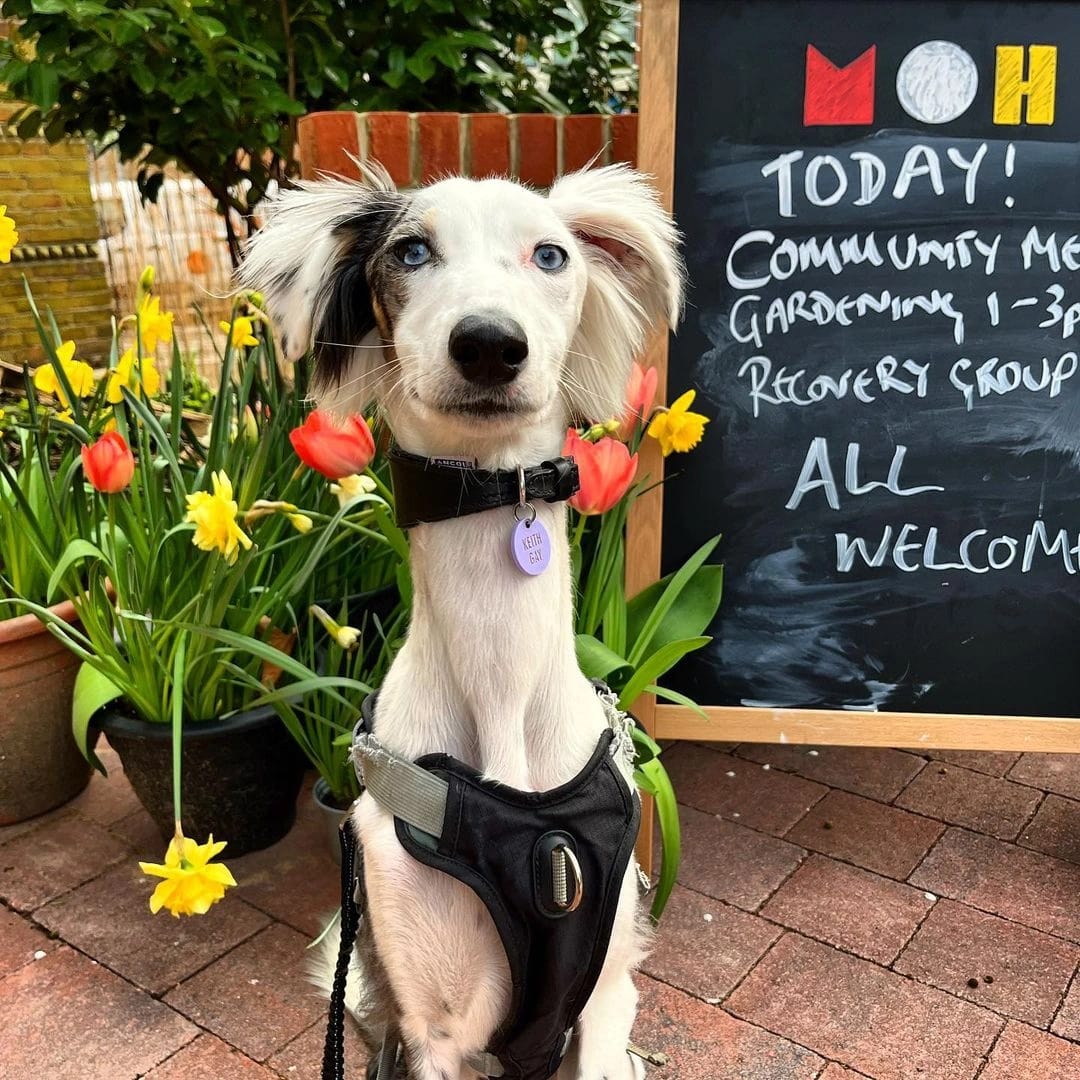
x,y
533,858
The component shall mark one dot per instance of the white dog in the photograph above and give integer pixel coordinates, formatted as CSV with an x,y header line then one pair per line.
x,y
483,317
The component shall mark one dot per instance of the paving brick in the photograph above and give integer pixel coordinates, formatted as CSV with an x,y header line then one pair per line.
x,y
876,837
295,881
848,907
874,772
1049,772
706,947
1067,1021
764,799
1023,886
840,1072
109,919
1055,829
256,997
46,862
302,1058
107,799
141,835
1023,1053
861,1015
20,940
1017,971
960,796
991,762
702,1042
732,863
66,1016
208,1058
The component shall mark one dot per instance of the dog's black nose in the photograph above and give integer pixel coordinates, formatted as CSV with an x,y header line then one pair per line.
x,y
488,350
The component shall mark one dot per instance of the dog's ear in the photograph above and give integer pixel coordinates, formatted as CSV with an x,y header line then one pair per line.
x,y
635,279
310,260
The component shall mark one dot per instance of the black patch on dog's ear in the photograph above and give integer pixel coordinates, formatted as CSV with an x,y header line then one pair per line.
x,y
349,312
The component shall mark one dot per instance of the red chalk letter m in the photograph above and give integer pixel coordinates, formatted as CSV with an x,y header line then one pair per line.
x,y
836,95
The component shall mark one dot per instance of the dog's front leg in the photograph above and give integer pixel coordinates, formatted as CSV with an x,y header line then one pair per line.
x,y
603,1030
439,948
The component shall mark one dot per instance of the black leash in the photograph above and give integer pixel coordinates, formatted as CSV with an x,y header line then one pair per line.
x,y
333,1067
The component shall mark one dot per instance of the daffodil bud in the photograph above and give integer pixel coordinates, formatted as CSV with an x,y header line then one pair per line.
x,y
146,279
345,637
256,299
300,522
251,427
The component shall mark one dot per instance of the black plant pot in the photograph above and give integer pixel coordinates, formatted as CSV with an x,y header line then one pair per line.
x,y
241,775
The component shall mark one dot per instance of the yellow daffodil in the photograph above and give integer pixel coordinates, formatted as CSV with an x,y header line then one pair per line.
x,y
241,331
300,522
80,375
131,372
192,884
345,637
154,324
214,517
352,487
677,429
9,236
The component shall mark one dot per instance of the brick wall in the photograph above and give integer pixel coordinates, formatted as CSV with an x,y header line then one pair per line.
x,y
418,147
47,193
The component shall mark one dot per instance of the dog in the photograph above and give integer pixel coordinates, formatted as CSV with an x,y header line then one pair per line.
x,y
554,295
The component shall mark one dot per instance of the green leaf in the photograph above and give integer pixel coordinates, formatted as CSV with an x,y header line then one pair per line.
x,y
92,691
75,552
596,660
691,614
44,83
652,778
677,698
680,579
649,670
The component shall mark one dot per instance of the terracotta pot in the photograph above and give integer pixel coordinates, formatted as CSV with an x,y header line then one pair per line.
x,y
40,765
241,775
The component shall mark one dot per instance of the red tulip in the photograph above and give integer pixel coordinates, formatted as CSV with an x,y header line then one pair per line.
x,y
334,449
109,464
640,394
605,468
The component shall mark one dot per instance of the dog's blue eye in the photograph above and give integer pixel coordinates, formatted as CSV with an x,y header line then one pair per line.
x,y
549,257
413,252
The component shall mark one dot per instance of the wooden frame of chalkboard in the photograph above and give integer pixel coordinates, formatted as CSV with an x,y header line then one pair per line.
x,y
984,730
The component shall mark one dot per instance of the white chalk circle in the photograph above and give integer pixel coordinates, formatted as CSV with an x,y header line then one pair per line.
x,y
937,82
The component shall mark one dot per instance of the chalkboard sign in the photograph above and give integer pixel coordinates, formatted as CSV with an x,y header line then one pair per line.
x,y
881,204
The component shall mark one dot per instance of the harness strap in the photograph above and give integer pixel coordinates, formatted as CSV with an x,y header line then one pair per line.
x,y
398,785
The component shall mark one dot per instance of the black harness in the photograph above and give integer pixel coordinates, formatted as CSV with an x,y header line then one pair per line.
x,y
547,865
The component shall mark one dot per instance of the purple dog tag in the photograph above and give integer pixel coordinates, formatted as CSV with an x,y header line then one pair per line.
x,y
530,546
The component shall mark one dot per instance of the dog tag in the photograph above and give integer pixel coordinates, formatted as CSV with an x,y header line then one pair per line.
x,y
530,546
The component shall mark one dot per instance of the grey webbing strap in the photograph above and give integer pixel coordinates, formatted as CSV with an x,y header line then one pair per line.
x,y
388,1054
398,785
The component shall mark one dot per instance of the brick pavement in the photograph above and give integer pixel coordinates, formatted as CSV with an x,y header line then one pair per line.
x,y
842,914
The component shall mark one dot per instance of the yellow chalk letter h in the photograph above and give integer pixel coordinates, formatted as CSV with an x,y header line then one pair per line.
x,y
1010,86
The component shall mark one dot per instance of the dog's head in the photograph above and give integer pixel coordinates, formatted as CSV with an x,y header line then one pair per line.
x,y
469,309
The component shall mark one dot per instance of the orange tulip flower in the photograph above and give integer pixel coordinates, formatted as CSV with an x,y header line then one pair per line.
x,y
640,394
109,463
606,471
331,448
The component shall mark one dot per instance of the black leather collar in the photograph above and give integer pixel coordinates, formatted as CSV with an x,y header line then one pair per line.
x,y
436,489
